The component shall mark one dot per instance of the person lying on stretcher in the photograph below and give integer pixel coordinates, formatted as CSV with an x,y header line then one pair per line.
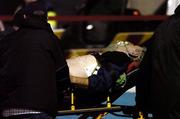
x,y
100,71
94,75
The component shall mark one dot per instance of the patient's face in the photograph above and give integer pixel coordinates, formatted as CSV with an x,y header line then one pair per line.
x,y
134,50
129,49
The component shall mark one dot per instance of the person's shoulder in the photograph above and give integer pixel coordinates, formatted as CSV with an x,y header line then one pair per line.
x,y
34,32
170,22
7,35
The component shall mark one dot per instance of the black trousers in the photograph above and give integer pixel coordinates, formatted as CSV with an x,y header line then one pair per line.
x,y
167,115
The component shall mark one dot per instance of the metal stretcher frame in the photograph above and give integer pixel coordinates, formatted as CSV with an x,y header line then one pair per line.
x,y
116,108
128,111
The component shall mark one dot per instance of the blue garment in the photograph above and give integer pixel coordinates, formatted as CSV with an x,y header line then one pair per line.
x,y
113,64
105,78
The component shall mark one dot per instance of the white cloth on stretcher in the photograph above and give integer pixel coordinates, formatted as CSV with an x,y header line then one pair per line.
x,y
82,66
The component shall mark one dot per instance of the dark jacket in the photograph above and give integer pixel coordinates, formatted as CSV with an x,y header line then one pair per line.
x,y
33,70
158,88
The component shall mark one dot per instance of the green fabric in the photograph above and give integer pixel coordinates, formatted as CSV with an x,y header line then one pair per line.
x,y
121,80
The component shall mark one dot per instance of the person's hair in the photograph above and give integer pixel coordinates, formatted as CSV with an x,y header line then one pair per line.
x,y
35,10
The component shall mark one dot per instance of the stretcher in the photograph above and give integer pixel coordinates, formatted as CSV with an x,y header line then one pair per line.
x,y
82,100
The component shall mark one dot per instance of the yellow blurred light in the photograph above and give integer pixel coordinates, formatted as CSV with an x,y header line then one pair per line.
x,y
53,23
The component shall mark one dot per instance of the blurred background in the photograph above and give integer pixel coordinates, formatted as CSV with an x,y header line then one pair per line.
x,y
71,21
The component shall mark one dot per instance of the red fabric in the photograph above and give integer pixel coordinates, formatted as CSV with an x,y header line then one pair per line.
x,y
133,65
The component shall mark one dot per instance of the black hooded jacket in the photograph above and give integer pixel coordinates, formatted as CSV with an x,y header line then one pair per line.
x,y
33,70
158,87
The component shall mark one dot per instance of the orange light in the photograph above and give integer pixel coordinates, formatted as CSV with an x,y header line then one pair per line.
x,y
136,13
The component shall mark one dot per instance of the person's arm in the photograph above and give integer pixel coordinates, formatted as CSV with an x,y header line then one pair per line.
x,y
62,78
2,28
